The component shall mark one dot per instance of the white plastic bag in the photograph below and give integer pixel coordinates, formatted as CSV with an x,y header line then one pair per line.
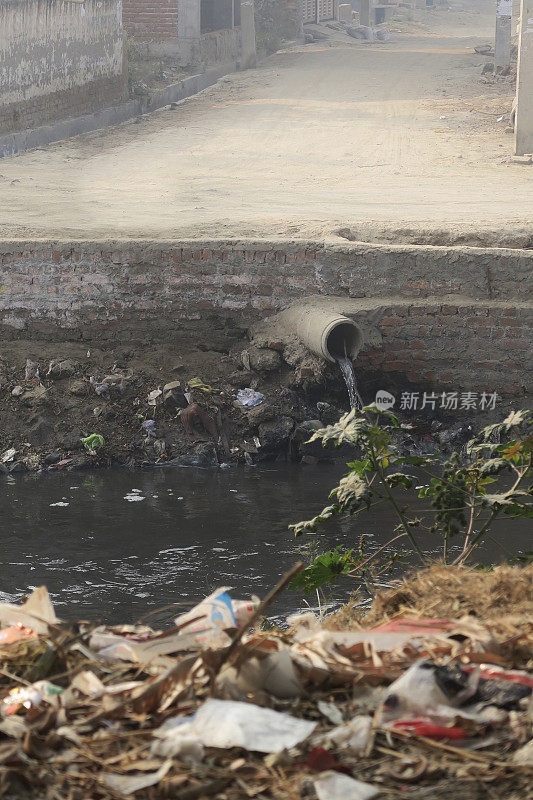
x,y
230,723
335,786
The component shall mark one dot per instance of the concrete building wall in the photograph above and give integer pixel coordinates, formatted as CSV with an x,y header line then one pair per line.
x,y
219,47
58,59
447,316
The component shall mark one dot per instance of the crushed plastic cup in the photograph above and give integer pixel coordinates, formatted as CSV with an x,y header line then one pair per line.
x,y
243,609
209,620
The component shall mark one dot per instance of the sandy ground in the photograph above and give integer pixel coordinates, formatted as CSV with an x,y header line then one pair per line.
x,y
340,134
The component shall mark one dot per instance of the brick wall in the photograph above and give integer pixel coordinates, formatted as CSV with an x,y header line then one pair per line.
x,y
73,102
451,316
153,20
480,346
58,59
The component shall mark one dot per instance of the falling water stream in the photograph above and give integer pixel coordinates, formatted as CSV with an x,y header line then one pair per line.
x,y
348,374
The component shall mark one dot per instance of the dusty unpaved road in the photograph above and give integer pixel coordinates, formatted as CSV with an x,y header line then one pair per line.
x,y
342,134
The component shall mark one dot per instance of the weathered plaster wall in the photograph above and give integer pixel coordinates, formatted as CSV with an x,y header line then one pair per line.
x,y
447,316
58,58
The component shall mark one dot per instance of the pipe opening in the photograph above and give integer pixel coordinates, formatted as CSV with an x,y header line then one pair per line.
x,y
343,340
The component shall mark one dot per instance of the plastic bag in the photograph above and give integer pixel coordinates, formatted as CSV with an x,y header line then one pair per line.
x,y
230,723
335,786
249,398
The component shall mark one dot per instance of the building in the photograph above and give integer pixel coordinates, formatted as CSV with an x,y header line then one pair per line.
x,y
195,31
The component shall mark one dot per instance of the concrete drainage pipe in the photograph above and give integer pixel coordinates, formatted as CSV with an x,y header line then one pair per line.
x,y
325,332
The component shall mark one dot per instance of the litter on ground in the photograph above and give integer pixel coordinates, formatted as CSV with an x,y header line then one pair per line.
x,y
394,704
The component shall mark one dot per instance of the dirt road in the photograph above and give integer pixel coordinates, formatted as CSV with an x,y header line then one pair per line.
x,y
342,134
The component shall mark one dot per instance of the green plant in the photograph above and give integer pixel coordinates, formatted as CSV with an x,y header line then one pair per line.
x,y
455,498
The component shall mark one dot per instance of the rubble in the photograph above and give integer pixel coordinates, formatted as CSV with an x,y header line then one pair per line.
x,y
110,712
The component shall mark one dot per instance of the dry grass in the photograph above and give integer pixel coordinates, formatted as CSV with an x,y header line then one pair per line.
x,y
448,592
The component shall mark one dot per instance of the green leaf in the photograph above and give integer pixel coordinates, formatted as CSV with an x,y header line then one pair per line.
x,y
326,568
351,493
506,499
360,467
519,510
417,461
310,525
493,466
347,430
399,479
382,413
515,418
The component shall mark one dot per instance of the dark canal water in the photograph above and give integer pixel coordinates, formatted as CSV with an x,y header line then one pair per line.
x,y
118,544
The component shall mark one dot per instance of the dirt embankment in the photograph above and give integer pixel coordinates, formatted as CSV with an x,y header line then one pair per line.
x,y
54,394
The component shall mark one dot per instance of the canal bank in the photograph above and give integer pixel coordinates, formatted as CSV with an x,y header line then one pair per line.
x,y
91,330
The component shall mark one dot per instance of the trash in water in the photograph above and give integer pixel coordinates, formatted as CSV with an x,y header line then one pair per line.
x,y
134,496
249,398
60,503
93,443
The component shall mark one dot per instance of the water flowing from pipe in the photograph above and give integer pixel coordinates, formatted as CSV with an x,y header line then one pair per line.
x,y
346,367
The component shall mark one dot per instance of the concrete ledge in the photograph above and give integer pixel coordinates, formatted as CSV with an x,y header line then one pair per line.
x,y
13,143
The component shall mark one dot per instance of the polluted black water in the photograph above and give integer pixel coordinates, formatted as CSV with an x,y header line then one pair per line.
x,y
117,545
348,373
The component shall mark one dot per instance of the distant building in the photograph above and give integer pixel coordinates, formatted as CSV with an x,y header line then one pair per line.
x,y
318,10
195,31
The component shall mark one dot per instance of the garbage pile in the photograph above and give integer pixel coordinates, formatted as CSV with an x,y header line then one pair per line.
x,y
216,706
84,414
